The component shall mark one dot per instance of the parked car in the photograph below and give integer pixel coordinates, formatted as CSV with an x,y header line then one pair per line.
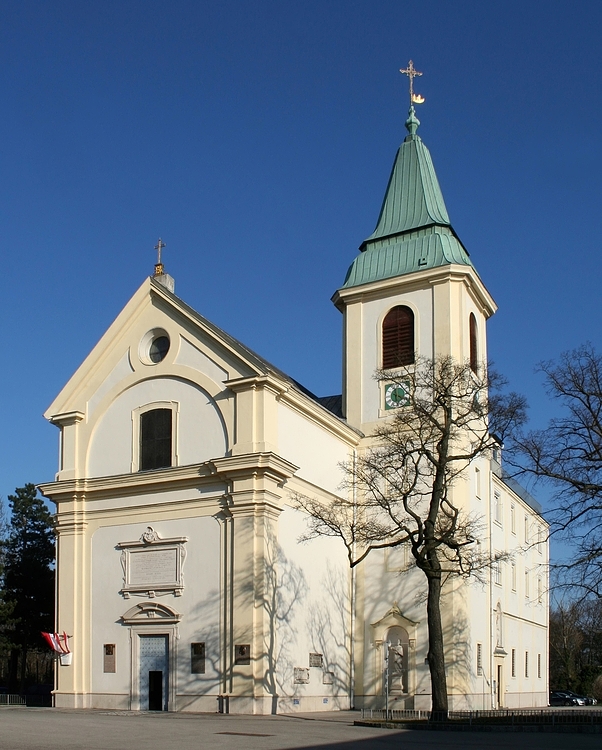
x,y
562,698
588,701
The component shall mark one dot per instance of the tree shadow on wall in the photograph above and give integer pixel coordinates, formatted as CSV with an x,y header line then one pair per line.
x,y
329,629
277,587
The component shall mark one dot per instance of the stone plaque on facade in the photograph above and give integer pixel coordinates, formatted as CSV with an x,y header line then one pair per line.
x,y
152,565
242,653
301,675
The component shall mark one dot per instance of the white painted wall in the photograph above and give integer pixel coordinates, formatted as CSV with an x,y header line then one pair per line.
x,y
315,585
387,581
200,436
317,452
199,603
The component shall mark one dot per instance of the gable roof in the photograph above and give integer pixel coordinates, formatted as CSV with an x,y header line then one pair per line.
x,y
263,366
253,363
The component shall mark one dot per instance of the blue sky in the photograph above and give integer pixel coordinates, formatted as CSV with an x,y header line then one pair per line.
x,y
256,139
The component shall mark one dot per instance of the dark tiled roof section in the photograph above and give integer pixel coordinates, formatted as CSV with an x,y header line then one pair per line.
x,y
333,404
259,362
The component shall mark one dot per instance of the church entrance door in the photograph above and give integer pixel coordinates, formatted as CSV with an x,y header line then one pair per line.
x,y
154,672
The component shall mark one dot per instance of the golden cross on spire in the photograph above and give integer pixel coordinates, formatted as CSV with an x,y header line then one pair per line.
x,y
411,73
159,265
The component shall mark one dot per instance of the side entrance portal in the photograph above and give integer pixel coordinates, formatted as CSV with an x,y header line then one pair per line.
x,y
154,672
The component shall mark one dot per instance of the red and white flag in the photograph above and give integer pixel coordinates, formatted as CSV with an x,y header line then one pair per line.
x,y
57,642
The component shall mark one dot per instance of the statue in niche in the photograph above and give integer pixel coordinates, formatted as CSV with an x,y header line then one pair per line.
x,y
397,668
498,626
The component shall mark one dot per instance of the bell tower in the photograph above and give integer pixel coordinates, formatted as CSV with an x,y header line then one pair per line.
x,y
412,291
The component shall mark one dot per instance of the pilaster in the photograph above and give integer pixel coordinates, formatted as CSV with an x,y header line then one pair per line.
x,y
73,602
254,502
256,414
68,422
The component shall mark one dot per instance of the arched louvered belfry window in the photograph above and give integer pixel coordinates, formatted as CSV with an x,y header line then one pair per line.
x,y
474,354
155,439
398,337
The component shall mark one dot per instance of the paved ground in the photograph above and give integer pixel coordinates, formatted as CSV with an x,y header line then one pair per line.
x,y
56,729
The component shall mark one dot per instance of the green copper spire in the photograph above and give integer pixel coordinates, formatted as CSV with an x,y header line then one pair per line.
x,y
413,198
413,231
412,122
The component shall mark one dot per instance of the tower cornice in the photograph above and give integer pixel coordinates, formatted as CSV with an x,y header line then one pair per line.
x,y
418,280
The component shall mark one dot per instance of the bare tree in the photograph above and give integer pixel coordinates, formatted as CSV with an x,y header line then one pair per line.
x,y
568,456
401,489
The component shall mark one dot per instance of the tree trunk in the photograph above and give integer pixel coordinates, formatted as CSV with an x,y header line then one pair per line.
x,y
23,669
436,656
13,669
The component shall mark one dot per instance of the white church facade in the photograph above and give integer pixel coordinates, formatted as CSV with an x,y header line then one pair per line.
x,y
181,581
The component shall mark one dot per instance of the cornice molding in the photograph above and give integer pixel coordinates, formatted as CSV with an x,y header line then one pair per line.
x,y
419,279
270,464
67,418
219,471
160,480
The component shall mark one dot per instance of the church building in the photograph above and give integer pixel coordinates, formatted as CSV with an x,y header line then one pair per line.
x,y
181,581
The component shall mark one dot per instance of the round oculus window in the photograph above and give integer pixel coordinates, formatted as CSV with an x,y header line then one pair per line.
x,y
158,349
154,346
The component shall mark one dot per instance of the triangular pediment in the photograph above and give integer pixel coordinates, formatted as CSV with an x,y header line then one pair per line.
x,y
118,356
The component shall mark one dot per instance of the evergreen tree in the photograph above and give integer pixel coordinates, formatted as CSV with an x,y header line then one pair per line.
x,y
28,577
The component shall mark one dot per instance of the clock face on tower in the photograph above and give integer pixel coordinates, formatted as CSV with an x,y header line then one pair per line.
x,y
396,394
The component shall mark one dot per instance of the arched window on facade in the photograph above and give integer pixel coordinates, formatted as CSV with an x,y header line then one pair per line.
x,y
155,439
474,354
398,337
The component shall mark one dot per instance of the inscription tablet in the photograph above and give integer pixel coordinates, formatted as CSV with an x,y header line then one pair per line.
x,y
153,566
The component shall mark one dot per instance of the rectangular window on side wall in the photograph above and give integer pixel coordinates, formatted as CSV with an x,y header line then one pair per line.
x,y
513,570
526,584
108,651
497,500
539,666
197,658
527,536
497,572
479,659
513,518
526,663
513,663
477,479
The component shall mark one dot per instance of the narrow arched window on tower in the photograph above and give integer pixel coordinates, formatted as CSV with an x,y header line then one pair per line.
x,y
398,337
155,439
474,355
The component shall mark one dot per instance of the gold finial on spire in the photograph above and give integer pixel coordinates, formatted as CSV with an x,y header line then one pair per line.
x,y
411,73
159,271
